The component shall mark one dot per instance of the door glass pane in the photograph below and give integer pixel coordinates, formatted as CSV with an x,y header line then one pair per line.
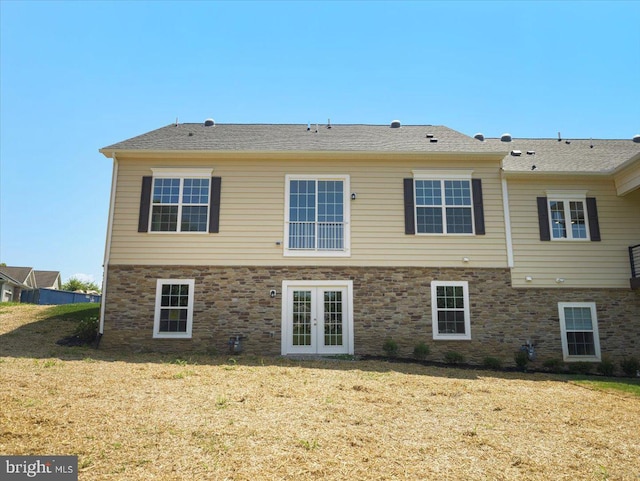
x,y
301,318
333,318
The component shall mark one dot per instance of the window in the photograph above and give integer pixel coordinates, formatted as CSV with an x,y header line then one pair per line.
x,y
174,308
186,200
317,215
568,215
443,202
579,329
450,310
443,206
180,205
567,219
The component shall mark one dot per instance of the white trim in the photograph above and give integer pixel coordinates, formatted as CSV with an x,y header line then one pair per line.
x,y
434,311
439,174
567,194
191,173
285,348
563,332
156,318
346,212
107,245
507,221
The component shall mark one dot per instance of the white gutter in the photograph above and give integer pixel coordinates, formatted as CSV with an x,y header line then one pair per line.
x,y
507,220
107,247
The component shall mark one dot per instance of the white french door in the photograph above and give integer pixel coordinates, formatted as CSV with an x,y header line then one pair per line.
x,y
316,317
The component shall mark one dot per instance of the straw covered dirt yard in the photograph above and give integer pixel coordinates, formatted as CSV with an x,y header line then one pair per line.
x,y
146,416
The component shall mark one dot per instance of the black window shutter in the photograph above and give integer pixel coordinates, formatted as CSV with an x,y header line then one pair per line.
x,y
145,203
409,218
478,206
214,205
592,213
543,219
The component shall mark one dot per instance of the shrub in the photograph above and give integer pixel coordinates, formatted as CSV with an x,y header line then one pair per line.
x,y
630,366
522,359
87,329
554,365
453,357
580,367
390,347
421,351
492,363
606,367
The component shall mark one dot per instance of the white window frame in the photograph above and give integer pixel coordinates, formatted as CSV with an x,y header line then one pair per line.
x,y
181,175
566,197
563,331
157,334
442,176
434,311
346,250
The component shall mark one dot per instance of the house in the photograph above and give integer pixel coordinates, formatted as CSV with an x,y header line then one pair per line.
x,y
14,281
330,239
22,284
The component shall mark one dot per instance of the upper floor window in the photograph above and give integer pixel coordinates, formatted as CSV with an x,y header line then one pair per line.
x,y
186,200
443,202
317,215
568,215
180,205
443,207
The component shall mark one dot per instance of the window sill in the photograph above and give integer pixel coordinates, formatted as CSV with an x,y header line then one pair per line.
x,y
582,359
172,336
444,337
306,253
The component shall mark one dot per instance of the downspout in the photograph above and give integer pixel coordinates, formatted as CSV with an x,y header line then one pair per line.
x,y
107,247
507,219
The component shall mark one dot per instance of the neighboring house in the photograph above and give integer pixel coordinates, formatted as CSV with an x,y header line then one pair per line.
x,y
48,279
331,239
14,281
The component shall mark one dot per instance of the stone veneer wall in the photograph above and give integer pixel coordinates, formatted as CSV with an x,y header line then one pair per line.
x,y
388,303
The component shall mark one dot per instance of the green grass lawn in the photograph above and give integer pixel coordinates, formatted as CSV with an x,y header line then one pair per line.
x,y
629,386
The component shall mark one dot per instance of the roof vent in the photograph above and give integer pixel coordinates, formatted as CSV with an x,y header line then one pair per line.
x,y
516,153
433,140
395,124
429,136
636,139
209,123
531,152
479,137
506,138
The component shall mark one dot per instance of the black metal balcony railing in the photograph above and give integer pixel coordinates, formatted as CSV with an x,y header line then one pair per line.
x,y
634,259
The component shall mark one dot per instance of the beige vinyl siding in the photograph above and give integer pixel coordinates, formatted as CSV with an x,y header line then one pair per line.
x,y
579,263
252,215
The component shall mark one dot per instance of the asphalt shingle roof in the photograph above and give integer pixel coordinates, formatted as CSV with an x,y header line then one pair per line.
x,y
19,274
551,155
46,278
296,137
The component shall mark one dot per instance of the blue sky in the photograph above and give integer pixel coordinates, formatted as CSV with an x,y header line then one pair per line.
x,y
77,76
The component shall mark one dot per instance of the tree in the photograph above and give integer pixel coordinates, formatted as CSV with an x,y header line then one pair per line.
x,y
74,284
